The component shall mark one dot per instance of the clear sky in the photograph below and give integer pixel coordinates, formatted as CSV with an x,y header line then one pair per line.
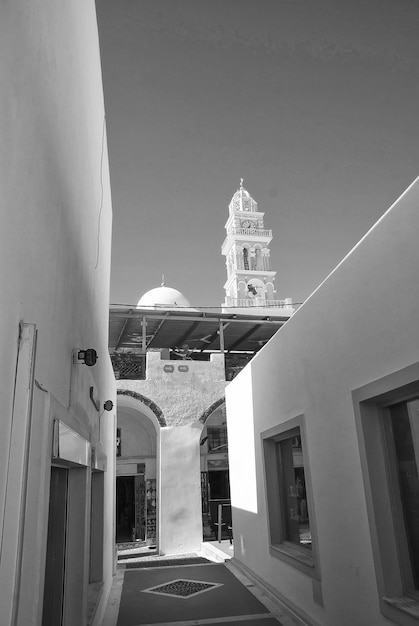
x,y
315,103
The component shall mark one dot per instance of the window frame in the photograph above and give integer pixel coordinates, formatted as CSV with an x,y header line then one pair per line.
x,y
372,402
300,557
217,433
395,494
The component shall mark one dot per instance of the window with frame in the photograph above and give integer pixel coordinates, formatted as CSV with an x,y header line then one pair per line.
x,y
401,432
217,439
288,495
387,414
293,487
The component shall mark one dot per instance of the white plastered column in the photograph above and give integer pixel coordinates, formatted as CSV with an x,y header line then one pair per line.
x,y
180,518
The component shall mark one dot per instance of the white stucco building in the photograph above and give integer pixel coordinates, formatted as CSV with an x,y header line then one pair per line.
x,y
160,425
57,444
324,441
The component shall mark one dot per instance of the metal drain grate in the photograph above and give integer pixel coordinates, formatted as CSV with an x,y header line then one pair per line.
x,y
182,588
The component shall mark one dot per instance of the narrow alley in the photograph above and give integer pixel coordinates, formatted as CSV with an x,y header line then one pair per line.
x,y
188,590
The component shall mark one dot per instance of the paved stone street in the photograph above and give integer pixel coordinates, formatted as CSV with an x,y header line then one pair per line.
x,y
160,591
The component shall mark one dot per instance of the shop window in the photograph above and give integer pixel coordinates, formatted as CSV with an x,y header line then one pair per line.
x,y
217,439
389,436
290,521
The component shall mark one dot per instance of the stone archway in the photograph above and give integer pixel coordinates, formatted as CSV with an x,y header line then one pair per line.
x,y
157,412
210,410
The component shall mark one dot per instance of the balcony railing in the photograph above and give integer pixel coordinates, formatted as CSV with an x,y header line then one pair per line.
x,y
258,302
250,231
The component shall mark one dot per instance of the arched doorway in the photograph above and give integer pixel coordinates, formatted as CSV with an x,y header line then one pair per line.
x,y
215,481
138,426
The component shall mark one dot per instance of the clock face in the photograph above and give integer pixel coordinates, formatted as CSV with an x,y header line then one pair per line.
x,y
248,224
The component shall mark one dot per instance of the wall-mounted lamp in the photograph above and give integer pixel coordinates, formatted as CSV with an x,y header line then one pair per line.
x,y
108,405
88,357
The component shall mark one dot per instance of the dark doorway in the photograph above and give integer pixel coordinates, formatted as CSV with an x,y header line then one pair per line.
x,y
56,547
219,485
220,504
125,508
130,508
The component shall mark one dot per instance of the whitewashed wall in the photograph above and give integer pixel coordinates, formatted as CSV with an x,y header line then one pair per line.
x,y
55,238
183,391
361,324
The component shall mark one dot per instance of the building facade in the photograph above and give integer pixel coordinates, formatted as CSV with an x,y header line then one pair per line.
x,y
162,473
162,481
323,442
57,444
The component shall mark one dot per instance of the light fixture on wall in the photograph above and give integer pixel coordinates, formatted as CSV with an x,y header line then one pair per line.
x,y
108,405
87,357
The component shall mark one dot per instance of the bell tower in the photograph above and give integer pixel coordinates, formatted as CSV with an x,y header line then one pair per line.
x,y
250,285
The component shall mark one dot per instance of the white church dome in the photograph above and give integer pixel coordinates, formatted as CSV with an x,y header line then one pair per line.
x,y
241,193
163,298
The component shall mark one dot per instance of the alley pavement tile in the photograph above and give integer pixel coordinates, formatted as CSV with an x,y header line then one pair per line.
x,y
142,563
227,603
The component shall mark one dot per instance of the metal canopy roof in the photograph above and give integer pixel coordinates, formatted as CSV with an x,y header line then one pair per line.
x,y
135,329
